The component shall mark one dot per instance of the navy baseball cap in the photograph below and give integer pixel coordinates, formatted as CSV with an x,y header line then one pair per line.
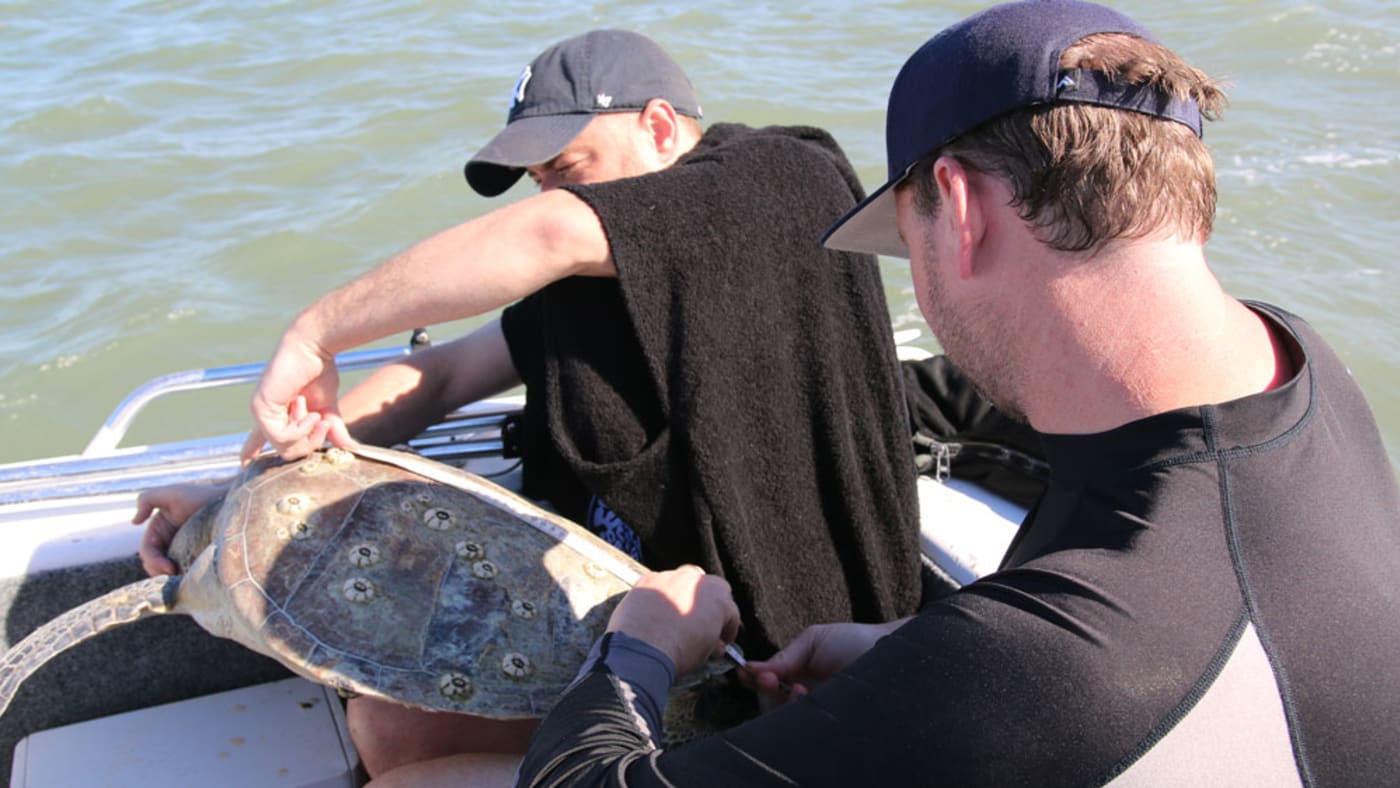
x,y
1000,60
564,88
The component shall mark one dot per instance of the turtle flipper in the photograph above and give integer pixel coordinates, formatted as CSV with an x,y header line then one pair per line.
x,y
148,597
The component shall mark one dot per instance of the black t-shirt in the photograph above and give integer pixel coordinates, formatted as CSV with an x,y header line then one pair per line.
x,y
1203,597
733,395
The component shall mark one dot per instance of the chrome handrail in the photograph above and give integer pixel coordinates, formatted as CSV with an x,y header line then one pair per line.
x,y
103,468
114,428
446,432
458,438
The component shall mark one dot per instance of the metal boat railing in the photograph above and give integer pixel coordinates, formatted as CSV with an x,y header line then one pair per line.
x,y
104,468
114,429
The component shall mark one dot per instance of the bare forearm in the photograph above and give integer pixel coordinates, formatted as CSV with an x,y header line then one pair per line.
x,y
400,400
391,405
461,272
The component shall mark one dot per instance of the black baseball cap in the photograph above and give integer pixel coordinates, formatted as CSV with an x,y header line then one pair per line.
x,y
1003,59
564,88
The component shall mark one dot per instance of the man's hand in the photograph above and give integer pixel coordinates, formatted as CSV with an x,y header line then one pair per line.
x,y
689,615
294,407
816,654
167,509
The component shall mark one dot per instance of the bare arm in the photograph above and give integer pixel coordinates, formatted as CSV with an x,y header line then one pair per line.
x,y
464,271
400,400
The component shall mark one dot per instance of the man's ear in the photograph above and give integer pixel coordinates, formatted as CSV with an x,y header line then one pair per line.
x,y
961,210
658,118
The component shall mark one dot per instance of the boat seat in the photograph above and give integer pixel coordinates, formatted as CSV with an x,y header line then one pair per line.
x,y
289,733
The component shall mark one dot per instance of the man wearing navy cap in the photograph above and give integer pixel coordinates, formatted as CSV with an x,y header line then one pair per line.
x,y
1206,592
705,384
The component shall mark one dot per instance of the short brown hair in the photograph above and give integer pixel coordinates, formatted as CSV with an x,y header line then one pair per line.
x,y
1082,174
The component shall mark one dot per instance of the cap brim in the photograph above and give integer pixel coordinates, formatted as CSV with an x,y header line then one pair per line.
x,y
871,226
523,143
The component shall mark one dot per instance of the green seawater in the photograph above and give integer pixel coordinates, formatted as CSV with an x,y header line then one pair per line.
x,y
179,177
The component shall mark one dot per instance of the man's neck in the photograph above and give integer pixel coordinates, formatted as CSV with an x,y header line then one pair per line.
x,y
1143,329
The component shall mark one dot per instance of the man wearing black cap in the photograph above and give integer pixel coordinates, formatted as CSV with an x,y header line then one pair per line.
x,y
704,383
1204,595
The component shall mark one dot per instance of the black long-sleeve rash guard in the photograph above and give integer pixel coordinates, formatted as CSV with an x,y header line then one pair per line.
x,y
1207,596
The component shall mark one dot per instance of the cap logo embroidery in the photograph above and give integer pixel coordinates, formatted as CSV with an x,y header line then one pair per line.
x,y
603,100
1066,83
518,94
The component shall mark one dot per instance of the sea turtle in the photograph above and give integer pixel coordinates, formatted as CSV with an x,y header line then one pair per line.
x,y
382,573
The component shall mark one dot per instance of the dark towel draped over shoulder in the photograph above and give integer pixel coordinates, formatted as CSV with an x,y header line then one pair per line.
x,y
734,395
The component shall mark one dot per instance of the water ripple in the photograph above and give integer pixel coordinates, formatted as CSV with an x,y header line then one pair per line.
x,y
180,176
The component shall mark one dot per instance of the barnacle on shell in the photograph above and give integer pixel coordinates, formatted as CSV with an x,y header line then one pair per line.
x,y
298,531
364,555
339,457
358,589
456,686
470,551
515,665
594,571
438,519
485,570
524,609
294,504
